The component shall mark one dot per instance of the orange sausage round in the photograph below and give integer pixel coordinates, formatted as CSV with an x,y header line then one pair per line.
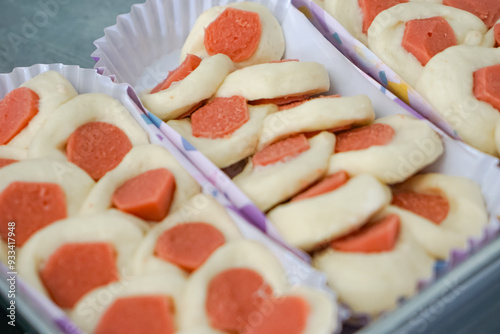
x,y
220,117
294,100
148,195
16,110
289,315
97,147
281,150
379,236
424,38
6,162
486,10
188,245
76,268
188,65
371,8
329,183
377,134
138,314
433,207
32,206
232,296
235,33
486,85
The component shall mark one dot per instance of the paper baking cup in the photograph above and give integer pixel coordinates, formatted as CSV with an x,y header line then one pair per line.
x,y
370,63
156,25
297,271
43,313
40,311
140,50
295,263
144,62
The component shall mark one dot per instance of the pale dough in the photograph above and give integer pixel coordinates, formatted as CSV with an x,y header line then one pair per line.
x,y
201,208
254,256
323,311
311,221
88,312
271,46
53,90
9,152
240,144
51,140
272,80
371,283
138,160
183,95
316,115
269,185
349,14
414,145
75,183
466,219
386,34
447,82
123,231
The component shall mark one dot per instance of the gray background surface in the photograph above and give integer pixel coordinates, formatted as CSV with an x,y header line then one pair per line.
x,y
54,31
62,31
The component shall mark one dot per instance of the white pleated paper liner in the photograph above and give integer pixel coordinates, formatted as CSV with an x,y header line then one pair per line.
x,y
297,271
166,24
162,26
